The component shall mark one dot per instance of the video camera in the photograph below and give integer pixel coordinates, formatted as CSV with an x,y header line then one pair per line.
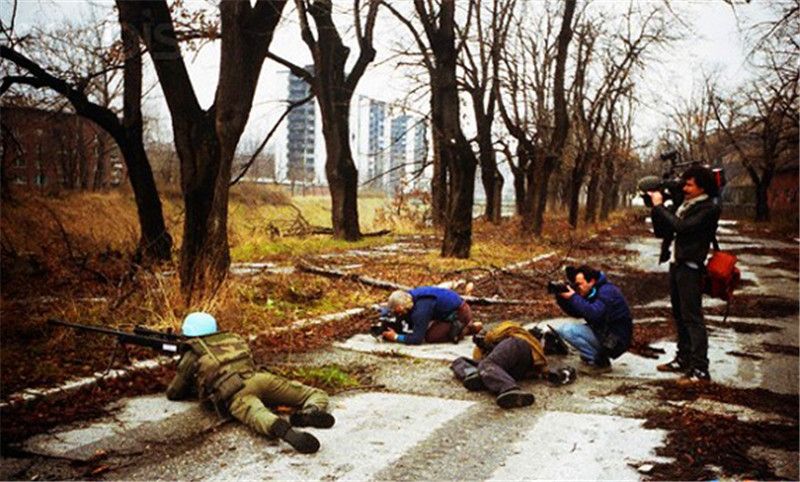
x,y
670,184
556,287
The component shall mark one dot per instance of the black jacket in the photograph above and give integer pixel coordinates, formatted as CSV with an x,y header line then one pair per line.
x,y
693,233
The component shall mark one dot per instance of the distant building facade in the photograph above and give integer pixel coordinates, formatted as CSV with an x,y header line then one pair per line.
x,y
301,123
399,158
52,151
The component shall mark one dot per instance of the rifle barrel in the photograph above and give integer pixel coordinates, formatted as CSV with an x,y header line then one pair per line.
x,y
158,343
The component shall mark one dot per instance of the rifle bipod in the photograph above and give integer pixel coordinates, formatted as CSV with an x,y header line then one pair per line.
x,y
117,347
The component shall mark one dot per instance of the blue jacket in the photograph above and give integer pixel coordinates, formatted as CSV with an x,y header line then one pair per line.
x,y
430,303
606,312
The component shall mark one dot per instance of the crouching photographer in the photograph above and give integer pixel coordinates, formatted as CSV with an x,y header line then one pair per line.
x,y
608,329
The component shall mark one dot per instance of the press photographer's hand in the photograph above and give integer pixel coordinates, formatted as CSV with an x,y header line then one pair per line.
x,y
656,197
390,335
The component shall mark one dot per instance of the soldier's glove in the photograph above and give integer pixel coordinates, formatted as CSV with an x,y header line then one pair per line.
x,y
303,442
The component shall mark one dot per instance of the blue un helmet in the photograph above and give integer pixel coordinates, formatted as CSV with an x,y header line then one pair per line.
x,y
199,323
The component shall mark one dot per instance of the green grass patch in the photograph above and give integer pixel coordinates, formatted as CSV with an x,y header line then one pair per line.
x,y
331,378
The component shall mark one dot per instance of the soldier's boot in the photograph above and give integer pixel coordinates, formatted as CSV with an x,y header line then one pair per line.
x,y
312,417
303,442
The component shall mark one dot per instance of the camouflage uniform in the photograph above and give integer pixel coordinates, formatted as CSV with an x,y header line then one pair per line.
x,y
219,369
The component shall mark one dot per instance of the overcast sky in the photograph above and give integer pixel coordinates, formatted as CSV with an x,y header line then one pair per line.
x,y
715,44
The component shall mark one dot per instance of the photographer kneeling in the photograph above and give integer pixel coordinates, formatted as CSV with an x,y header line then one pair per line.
x,y
608,328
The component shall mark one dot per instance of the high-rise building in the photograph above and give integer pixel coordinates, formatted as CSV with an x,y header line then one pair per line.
x,y
376,150
399,146
301,128
420,155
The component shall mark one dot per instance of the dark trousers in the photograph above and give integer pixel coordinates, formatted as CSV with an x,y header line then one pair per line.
x,y
511,360
686,294
439,331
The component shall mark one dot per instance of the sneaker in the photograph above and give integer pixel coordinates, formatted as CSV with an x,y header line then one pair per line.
x,y
515,398
674,366
694,377
473,382
312,417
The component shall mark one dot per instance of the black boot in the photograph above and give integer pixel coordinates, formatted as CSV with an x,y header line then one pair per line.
x,y
472,381
303,442
515,398
312,417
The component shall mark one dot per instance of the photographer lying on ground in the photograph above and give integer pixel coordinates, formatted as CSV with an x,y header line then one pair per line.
x,y
506,354
608,328
434,314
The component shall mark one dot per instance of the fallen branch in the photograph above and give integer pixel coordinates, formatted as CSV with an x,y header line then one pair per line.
x,y
335,273
378,283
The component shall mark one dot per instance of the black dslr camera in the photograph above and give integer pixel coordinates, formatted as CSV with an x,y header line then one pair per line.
x,y
556,287
385,322
479,339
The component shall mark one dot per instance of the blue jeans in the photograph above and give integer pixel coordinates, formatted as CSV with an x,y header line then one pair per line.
x,y
581,336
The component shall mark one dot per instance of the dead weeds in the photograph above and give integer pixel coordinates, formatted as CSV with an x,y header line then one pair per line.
x,y
699,440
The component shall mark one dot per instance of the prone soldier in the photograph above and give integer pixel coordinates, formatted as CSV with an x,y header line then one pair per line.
x,y
218,368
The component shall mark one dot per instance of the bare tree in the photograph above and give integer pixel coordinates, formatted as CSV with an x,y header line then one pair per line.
x,y
334,89
155,241
540,151
760,121
762,126
480,63
206,139
434,33
619,52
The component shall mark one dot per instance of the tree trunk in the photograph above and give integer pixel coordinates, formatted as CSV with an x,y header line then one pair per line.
x,y
575,184
607,201
99,177
455,151
520,173
438,181
155,242
519,193
560,118
592,193
543,183
206,140
762,201
341,173
490,176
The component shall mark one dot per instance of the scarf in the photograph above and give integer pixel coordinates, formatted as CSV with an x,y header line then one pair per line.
x,y
680,212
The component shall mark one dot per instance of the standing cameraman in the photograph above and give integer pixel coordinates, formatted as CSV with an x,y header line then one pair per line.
x,y
608,328
687,231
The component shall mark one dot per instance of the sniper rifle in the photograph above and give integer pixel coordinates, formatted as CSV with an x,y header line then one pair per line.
x,y
166,342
